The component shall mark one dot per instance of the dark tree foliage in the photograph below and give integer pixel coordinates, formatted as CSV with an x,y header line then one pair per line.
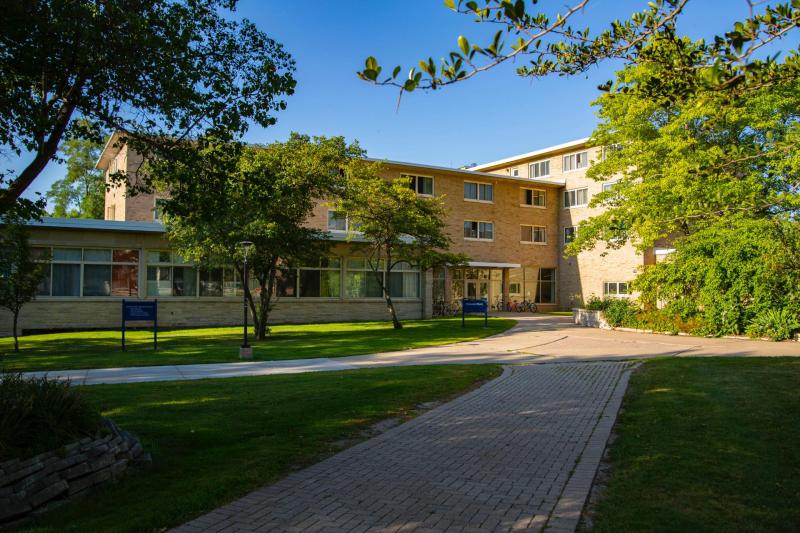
x,y
159,71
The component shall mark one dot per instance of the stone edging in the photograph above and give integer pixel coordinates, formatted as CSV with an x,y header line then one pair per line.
x,y
566,514
34,485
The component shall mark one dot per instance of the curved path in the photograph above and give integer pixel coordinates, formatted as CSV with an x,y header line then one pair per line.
x,y
518,454
534,339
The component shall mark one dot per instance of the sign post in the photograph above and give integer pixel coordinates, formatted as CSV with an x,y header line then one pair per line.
x,y
480,306
140,310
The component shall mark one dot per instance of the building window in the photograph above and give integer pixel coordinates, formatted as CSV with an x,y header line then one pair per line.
x,y
533,234
321,281
403,281
575,161
111,213
422,185
478,230
89,272
514,172
576,197
569,234
546,286
615,288
168,274
360,280
540,169
608,150
220,281
478,192
158,209
337,221
609,185
534,197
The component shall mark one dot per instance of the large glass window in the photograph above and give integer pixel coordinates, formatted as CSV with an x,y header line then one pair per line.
x,y
615,288
534,197
360,280
546,289
404,281
474,229
422,185
534,234
576,161
576,197
168,274
479,192
337,221
569,234
540,169
89,272
323,281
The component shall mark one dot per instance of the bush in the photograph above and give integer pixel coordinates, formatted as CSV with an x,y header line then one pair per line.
x,y
620,312
594,303
38,415
774,324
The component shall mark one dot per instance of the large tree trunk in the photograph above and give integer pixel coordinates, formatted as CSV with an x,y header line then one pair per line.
x,y
392,311
45,152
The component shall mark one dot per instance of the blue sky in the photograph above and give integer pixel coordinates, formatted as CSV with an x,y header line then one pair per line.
x,y
486,118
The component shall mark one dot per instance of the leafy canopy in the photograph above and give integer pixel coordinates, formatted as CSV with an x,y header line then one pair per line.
x,y
160,71
229,193
560,44
81,193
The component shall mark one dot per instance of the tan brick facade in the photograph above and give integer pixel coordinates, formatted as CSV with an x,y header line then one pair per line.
x,y
577,278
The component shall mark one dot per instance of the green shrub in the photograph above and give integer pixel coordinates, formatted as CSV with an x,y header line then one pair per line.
x,y
38,414
621,312
594,303
774,324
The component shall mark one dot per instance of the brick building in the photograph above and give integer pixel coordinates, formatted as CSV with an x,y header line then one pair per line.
x,y
512,217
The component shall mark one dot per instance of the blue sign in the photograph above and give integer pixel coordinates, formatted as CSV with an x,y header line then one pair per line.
x,y
139,310
145,310
475,307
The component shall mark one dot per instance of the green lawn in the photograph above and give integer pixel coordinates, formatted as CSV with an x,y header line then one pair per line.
x,y
101,349
215,440
707,445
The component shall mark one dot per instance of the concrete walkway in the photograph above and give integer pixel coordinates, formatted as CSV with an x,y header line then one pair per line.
x,y
517,454
539,338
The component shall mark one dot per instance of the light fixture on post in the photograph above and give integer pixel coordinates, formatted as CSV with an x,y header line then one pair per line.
x,y
246,351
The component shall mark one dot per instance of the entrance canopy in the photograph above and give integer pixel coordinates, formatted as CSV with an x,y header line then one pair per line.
x,y
484,264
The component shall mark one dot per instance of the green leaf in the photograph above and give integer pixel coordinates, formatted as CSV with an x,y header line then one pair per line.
x,y
463,43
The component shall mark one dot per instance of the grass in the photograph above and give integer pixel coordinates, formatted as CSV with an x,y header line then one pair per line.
x,y
559,313
101,349
707,445
215,440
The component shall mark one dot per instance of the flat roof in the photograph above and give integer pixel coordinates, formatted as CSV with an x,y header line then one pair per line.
x,y
473,173
528,155
98,225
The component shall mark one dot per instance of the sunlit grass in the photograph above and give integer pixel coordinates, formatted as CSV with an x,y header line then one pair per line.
x,y
213,441
707,445
102,349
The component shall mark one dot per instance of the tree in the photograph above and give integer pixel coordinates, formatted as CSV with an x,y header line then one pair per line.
x,y
20,274
551,45
399,226
81,193
264,194
159,71
713,175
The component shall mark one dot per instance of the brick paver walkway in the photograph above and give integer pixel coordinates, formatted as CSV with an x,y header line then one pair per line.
x,y
517,454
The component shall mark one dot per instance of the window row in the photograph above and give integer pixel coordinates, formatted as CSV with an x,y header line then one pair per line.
x,y
615,288
76,272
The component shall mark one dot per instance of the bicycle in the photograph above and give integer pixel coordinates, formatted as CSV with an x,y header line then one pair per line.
x,y
525,305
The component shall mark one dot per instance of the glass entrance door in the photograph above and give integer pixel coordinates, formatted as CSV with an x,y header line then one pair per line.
x,y
477,289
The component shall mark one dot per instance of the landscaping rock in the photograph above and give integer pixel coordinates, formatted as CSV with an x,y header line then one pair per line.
x,y
34,485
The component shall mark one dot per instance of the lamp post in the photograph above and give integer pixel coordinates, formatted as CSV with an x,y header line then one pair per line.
x,y
245,352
